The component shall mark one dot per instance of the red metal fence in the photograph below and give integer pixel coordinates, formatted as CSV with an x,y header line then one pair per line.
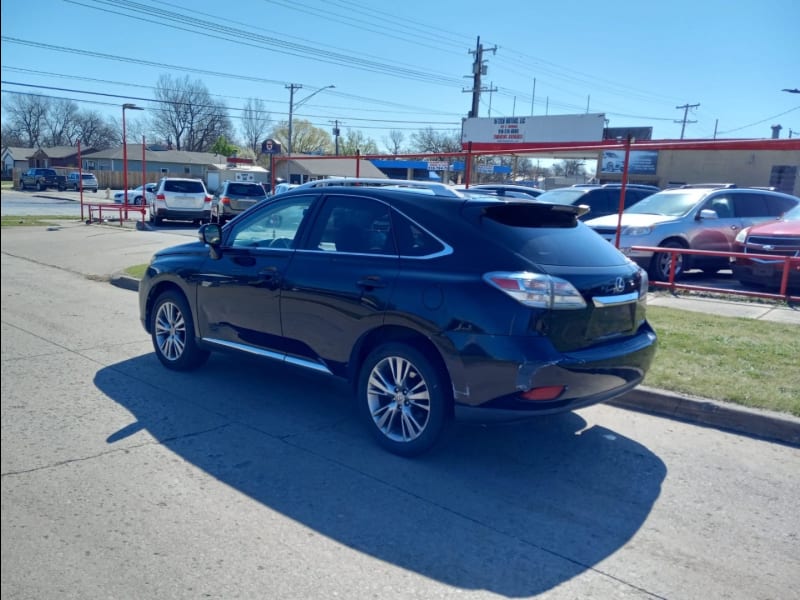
x,y
789,263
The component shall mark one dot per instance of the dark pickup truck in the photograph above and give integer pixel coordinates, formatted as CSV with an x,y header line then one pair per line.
x,y
41,179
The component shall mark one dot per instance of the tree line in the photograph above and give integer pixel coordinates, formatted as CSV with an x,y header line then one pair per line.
x,y
185,116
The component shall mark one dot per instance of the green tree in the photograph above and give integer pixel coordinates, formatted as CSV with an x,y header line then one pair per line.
x,y
223,147
354,141
306,139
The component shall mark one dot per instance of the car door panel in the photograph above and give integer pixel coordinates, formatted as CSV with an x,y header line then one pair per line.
x,y
333,292
241,295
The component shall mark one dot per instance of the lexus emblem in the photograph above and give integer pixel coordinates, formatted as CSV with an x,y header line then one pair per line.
x,y
619,285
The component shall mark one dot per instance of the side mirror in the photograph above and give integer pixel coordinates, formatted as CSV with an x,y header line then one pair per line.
x,y
211,234
707,213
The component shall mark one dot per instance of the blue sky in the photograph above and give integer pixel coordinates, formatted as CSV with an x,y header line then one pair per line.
x,y
405,65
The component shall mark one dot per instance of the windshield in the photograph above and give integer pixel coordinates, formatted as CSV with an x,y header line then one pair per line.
x,y
672,204
562,196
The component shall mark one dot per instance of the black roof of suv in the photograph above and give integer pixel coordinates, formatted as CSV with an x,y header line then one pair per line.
x,y
432,303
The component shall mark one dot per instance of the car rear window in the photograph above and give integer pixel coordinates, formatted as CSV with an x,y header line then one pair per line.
x,y
546,236
184,187
243,189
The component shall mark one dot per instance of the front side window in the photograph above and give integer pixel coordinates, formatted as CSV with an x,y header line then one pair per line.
x,y
275,226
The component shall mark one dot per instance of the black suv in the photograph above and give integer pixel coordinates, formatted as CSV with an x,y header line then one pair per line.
x,y
432,303
602,200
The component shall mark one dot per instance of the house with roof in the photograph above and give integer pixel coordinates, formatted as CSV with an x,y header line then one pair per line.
x,y
62,158
302,168
13,157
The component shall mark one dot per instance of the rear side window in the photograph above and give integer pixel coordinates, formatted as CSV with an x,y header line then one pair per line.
x,y
750,204
778,205
184,187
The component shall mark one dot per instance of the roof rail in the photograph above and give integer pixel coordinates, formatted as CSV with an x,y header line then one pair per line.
x,y
435,188
709,185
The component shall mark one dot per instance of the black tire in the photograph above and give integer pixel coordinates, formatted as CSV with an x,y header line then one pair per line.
x,y
403,399
173,333
40,186
21,185
660,263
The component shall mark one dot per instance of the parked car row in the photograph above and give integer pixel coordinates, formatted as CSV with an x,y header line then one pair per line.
x,y
696,217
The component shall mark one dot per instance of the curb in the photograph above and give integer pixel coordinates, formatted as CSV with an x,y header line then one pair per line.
x,y
766,425
125,281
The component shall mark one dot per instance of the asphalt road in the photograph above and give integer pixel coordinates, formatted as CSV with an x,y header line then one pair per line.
x,y
244,479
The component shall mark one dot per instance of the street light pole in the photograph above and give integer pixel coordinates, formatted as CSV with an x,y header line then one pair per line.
x,y
126,106
292,87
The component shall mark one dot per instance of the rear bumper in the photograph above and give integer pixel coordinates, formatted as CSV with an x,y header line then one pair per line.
x,y
766,274
182,214
491,387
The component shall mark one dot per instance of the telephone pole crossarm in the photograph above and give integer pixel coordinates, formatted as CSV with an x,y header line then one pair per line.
x,y
684,121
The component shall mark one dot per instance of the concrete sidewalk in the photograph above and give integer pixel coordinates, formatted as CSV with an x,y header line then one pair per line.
x,y
102,252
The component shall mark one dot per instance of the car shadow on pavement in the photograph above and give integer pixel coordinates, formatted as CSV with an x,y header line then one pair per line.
x,y
512,509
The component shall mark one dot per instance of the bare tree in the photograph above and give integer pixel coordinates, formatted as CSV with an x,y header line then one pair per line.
x,y
11,137
94,131
256,122
27,116
435,142
61,121
394,142
187,116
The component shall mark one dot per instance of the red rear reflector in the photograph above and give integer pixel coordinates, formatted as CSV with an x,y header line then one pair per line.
x,y
225,200
550,392
507,284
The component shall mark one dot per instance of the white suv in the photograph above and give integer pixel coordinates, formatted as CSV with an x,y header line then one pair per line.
x,y
87,181
180,199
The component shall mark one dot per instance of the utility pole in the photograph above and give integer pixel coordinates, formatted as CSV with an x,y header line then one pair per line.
x,y
336,134
292,87
686,108
478,69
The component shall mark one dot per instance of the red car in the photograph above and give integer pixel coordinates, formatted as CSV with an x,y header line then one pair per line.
x,y
778,238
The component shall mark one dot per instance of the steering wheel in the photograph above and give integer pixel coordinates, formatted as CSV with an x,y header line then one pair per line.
x,y
280,243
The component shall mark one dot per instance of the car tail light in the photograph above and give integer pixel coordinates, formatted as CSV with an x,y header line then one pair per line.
x,y
161,197
225,200
537,290
543,394
208,199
